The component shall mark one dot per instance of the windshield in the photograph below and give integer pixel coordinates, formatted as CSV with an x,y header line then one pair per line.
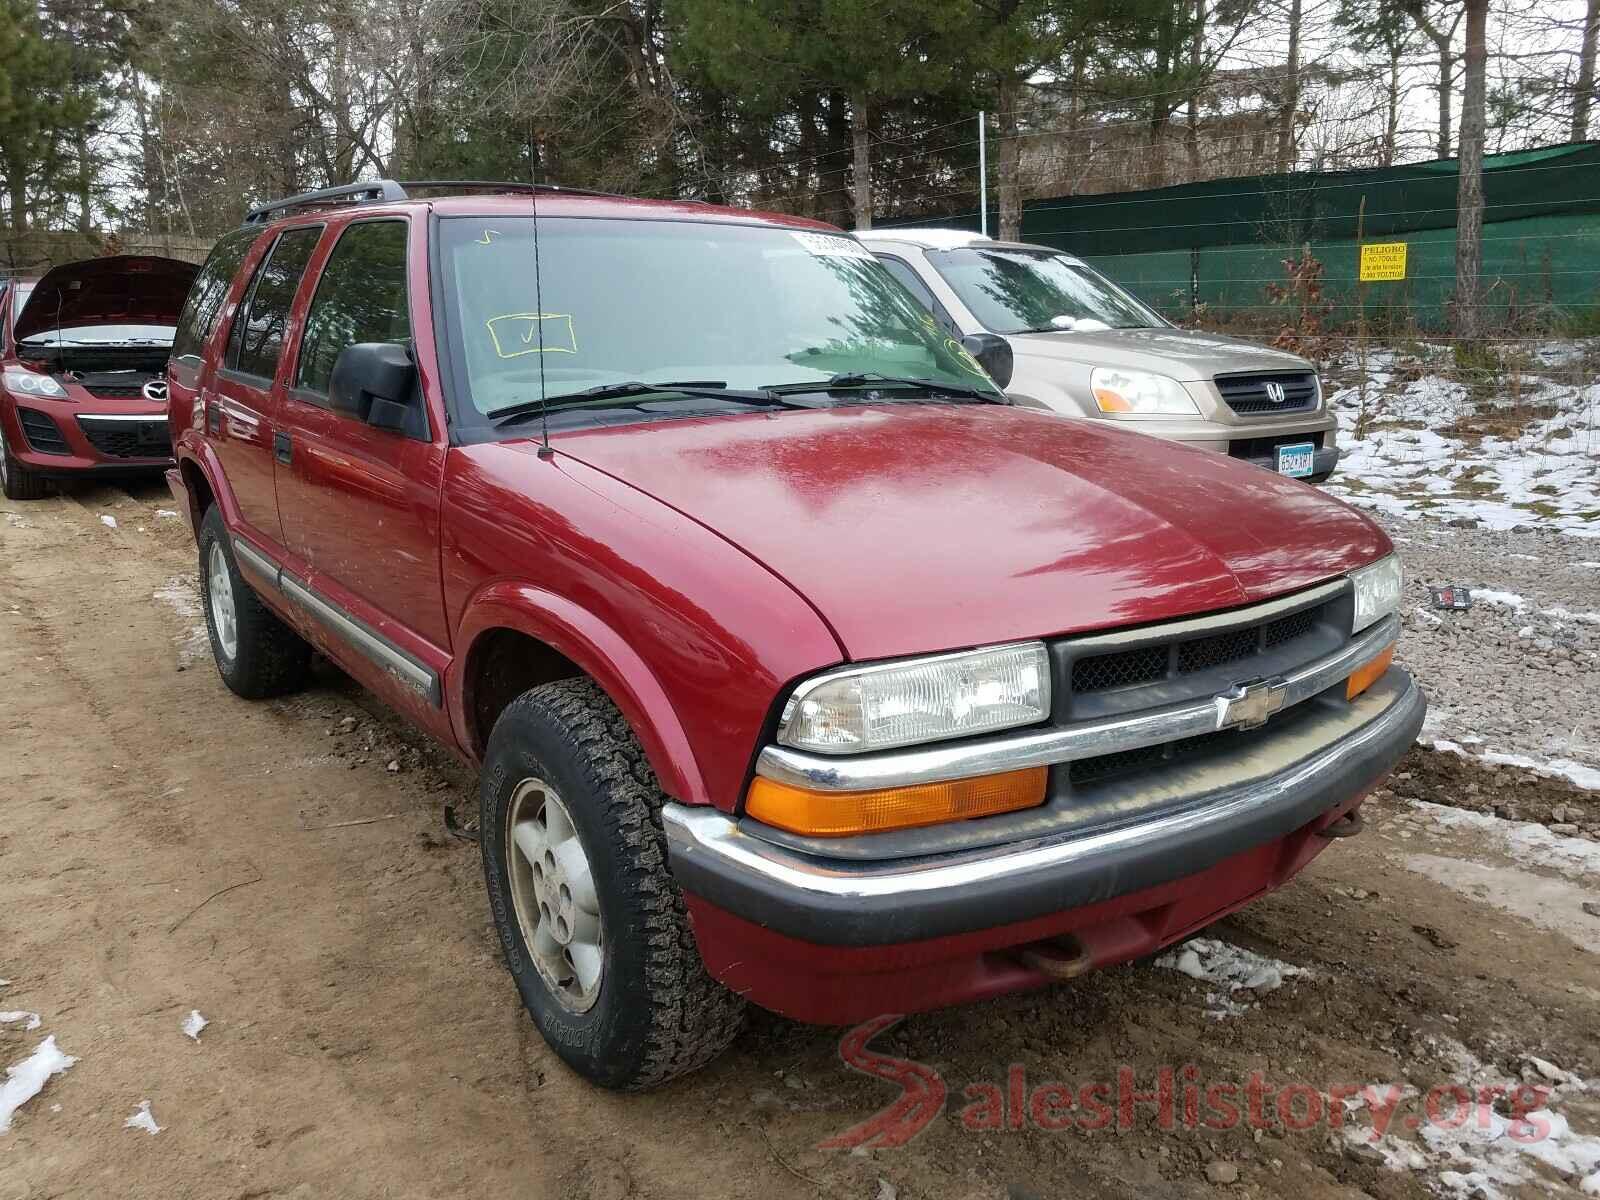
x,y
713,305
1023,291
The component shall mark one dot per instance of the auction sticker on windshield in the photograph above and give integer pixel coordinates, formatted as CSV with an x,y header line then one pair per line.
x,y
831,243
1296,460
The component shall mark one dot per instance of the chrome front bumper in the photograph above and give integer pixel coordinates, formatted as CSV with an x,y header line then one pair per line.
x,y
1209,816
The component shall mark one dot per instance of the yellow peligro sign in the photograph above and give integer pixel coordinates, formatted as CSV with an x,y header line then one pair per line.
x,y
1383,260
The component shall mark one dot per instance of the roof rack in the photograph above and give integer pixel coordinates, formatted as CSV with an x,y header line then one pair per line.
x,y
388,191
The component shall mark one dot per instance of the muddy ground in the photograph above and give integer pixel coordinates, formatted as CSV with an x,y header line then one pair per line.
x,y
284,869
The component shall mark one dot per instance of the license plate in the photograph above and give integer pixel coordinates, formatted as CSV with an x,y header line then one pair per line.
x,y
1296,460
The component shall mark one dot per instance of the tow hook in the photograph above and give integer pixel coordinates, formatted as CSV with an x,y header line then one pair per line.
x,y
1060,958
1346,826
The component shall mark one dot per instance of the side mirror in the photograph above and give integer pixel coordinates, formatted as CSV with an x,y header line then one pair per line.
x,y
376,382
993,353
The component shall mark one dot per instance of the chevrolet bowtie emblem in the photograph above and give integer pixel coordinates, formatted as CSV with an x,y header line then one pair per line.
x,y
1246,705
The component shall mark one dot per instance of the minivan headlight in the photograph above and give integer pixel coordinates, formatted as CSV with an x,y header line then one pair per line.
x,y
20,382
858,709
1377,591
1140,394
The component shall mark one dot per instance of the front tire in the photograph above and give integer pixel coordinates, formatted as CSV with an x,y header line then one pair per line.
x,y
593,925
17,482
257,655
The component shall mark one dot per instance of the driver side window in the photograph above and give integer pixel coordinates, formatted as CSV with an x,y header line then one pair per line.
x,y
361,297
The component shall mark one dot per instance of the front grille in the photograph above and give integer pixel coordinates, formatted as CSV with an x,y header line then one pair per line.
x,y
1252,394
1086,771
1127,669
128,439
1263,447
41,432
1135,672
1150,664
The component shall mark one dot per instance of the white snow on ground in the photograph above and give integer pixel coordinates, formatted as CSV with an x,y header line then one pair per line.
x,y
1232,967
27,1078
193,1024
108,521
1528,843
166,512
30,1020
143,1119
1577,773
1477,1152
182,596
1405,463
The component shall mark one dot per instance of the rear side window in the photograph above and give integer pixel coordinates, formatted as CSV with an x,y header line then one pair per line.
x,y
361,297
210,288
257,338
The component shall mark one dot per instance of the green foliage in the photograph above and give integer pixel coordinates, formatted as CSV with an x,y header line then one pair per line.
x,y
51,95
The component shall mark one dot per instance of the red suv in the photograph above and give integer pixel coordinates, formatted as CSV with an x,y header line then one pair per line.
x,y
801,668
83,352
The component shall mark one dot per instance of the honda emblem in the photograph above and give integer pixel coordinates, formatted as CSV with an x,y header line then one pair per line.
x,y
1275,391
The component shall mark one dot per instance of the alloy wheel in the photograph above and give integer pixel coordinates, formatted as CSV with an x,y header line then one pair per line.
x,y
552,890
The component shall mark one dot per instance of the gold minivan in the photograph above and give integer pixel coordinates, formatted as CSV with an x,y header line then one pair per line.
x,y
1084,347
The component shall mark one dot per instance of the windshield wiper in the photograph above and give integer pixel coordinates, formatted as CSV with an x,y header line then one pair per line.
x,y
702,389
851,380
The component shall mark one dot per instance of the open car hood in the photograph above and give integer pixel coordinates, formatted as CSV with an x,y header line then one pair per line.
x,y
121,289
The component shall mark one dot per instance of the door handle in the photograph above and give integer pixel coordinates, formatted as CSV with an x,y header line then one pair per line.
x,y
282,448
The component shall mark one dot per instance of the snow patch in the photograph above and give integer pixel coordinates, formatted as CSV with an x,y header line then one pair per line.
x,y
1234,968
30,1020
108,521
167,513
1504,599
1577,773
193,1024
143,1119
1530,844
182,596
27,1078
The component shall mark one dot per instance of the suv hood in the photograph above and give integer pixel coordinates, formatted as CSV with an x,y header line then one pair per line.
x,y
121,289
1184,354
917,528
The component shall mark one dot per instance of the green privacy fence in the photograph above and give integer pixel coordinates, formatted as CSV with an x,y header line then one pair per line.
x,y
1220,243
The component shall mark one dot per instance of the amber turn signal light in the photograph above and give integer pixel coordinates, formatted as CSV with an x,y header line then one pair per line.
x,y
1364,677
840,814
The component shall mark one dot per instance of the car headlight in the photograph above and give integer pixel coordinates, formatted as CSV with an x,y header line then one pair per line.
x,y
1140,394
1377,591
858,709
20,382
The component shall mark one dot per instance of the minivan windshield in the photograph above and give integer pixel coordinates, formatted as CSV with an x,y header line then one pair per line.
x,y
701,304
1015,290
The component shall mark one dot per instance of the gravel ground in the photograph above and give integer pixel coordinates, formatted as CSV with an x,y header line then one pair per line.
x,y
1519,670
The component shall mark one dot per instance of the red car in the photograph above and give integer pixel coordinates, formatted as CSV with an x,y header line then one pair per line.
x,y
801,668
83,352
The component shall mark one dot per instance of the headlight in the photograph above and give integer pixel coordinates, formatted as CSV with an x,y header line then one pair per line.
x,y
1140,394
31,383
1377,591
920,700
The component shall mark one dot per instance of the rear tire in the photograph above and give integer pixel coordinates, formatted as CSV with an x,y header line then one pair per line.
x,y
566,783
16,480
257,655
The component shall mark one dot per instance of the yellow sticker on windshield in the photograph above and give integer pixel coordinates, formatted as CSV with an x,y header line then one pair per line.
x,y
488,237
516,334
964,357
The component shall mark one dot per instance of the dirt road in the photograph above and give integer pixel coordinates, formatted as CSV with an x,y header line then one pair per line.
x,y
166,847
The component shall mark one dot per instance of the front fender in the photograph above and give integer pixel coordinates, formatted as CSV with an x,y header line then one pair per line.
x,y
598,650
